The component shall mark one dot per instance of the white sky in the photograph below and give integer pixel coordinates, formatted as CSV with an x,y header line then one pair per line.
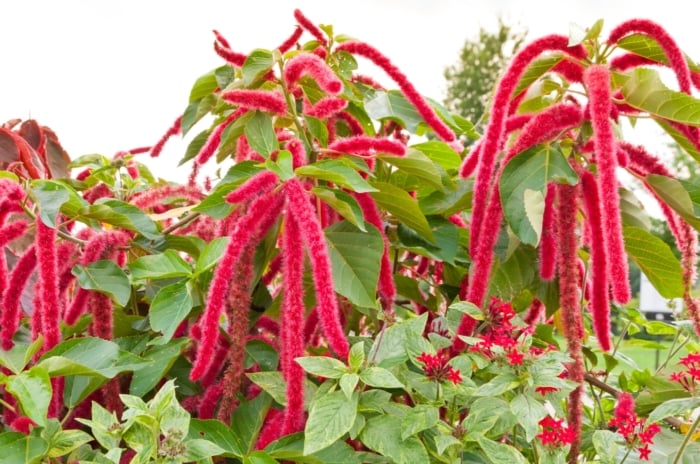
x,y
113,75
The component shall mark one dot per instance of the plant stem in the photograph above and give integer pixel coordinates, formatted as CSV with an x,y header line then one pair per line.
x,y
629,450
686,440
7,405
182,222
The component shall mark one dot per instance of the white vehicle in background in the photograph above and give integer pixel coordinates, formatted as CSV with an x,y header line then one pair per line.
x,y
654,306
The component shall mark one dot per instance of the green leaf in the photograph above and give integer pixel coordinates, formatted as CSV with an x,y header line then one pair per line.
x,y
272,382
160,358
169,308
343,204
643,45
536,70
66,441
247,420
322,366
400,204
416,164
469,308
203,86
499,453
198,450
19,356
338,172
90,356
446,246
380,378
331,416
420,417
355,260
500,384
381,105
257,63
605,444
515,274
383,435
32,389
347,383
523,186
122,214
356,357
282,166
529,412
645,90
673,407
317,129
17,448
673,193
166,265
106,277
393,349
211,254
449,201
103,425
440,153
259,457
656,260
54,196
218,433
260,134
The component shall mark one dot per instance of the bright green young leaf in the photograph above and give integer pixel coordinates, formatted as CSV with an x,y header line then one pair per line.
x,y
440,153
216,432
656,260
400,204
469,308
282,166
343,204
256,64
105,277
199,450
523,186
19,356
416,164
381,105
169,308
643,45
121,214
211,254
317,129
355,260
337,172
259,457
380,378
102,424
54,196
331,416
166,265
383,435
66,441
605,444
272,382
88,356
203,86
393,349
645,90
500,384
260,134
32,389
356,357
322,366
536,70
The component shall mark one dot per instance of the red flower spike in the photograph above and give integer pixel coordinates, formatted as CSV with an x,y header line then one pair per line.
x,y
157,195
548,243
291,41
597,81
407,88
362,145
223,49
48,284
470,161
214,139
12,232
329,313
259,212
599,304
325,107
11,314
293,327
500,109
311,27
629,61
257,185
313,66
171,132
353,125
296,148
545,126
263,100
386,285
655,31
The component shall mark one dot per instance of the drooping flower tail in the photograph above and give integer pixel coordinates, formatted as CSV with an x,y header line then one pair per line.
x,y
11,313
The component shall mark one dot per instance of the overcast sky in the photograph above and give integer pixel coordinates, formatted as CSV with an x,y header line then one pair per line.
x,y
113,75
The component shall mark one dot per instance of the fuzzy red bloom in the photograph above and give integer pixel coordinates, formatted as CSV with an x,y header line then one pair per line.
x,y
49,310
597,82
325,107
296,148
628,61
23,425
313,66
674,54
291,41
548,243
214,139
353,124
260,183
171,132
223,49
407,88
362,145
157,195
11,314
311,27
329,313
600,303
262,100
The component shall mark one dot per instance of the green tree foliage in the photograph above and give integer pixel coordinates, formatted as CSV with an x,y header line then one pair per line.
x,y
471,79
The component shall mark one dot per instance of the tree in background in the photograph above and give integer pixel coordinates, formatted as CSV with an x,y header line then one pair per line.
x,y
470,81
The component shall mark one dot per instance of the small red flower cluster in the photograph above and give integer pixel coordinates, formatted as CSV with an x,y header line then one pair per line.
x,y
690,377
632,428
500,332
437,369
554,433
